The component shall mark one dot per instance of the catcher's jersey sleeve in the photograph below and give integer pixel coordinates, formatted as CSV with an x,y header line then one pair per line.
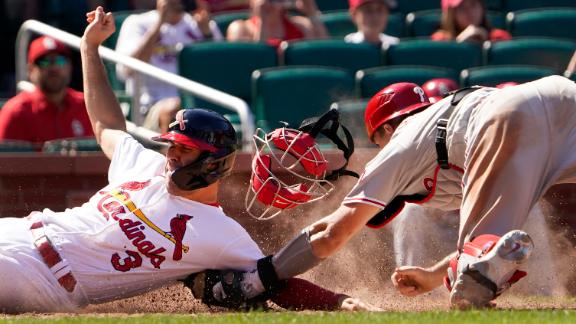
x,y
132,159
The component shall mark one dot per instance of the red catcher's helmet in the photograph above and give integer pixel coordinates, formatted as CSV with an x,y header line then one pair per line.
x,y
395,100
438,88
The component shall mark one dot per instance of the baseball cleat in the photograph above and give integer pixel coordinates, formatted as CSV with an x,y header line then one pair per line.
x,y
480,280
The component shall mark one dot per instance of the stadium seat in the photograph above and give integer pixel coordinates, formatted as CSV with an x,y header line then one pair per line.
x,y
293,93
71,145
553,22
225,66
549,52
515,5
224,19
352,116
370,81
338,23
425,23
330,5
427,52
494,75
330,52
7,146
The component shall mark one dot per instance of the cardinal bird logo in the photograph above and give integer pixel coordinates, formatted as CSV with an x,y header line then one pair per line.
x,y
177,231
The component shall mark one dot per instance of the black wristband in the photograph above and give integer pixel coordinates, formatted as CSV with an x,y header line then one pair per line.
x,y
268,275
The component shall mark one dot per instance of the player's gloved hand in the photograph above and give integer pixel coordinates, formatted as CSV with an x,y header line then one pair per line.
x,y
412,281
225,288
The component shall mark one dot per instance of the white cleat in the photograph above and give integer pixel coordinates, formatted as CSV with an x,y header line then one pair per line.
x,y
480,280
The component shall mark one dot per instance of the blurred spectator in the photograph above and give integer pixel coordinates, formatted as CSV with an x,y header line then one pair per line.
x,y
271,23
52,110
155,37
466,21
437,88
370,18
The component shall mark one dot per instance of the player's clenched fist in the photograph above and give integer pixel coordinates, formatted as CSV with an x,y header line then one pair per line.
x,y
101,26
413,281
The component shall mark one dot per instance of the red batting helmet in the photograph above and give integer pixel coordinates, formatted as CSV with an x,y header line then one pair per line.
x,y
437,88
395,100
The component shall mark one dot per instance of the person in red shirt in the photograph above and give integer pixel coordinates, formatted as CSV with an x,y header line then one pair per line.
x,y
466,21
269,22
52,110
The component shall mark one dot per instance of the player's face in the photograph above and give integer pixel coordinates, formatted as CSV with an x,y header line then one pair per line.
x,y
51,73
469,12
178,156
371,17
383,135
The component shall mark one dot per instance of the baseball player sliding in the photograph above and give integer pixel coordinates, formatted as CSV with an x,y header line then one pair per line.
x,y
492,153
156,222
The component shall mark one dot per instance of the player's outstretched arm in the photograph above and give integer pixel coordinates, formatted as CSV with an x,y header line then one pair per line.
x,y
105,114
412,281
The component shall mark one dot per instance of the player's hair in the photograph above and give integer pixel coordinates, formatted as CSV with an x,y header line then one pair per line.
x,y
448,22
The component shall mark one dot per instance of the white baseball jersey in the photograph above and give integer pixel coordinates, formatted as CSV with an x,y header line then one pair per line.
x,y
506,148
165,55
133,236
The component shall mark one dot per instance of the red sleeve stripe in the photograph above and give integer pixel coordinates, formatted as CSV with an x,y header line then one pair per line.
x,y
363,200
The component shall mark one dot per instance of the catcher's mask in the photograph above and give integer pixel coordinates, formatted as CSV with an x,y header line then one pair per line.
x,y
210,132
295,152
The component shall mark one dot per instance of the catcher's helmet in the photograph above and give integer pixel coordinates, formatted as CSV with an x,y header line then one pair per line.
x,y
295,152
395,100
210,132
438,88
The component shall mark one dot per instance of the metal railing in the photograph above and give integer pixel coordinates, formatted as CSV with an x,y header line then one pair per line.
x,y
197,89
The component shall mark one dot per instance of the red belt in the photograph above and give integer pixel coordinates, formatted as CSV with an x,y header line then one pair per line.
x,y
59,267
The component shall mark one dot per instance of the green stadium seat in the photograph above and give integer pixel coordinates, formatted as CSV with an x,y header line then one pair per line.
x,y
553,22
548,52
370,81
225,66
425,23
293,93
496,74
331,52
224,19
515,5
427,52
352,116
329,5
71,145
7,146
338,23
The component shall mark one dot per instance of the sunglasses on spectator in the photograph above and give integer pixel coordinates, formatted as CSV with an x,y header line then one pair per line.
x,y
58,60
